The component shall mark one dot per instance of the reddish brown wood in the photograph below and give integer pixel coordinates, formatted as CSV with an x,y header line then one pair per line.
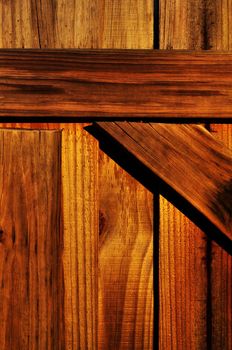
x,y
31,241
187,158
115,83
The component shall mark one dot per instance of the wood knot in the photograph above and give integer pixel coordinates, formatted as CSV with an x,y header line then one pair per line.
x,y
2,236
102,222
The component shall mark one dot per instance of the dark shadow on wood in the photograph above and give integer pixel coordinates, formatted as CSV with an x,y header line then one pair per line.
x,y
156,25
154,184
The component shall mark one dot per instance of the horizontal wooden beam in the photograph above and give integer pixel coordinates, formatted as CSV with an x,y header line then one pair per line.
x,y
187,158
116,83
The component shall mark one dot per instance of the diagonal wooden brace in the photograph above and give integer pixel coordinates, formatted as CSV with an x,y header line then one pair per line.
x,y
187,158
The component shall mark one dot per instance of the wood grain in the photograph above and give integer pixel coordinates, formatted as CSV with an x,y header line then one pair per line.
x,y
125,261
183,281
206,25
80,207
191,25
221,273
126,207
124,24
186,25
189,160
157,84
88,24
19,24
80,188
31,246
43,24
221,263
72,23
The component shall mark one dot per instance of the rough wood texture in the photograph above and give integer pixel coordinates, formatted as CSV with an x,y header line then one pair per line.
x,y
183,282
189,160
80,188
126,207
113,83
19,24
31,294
221,274
80,206
125,261
108,24
184,25
219,34
42,24
195,24
72,23
125,24
205,25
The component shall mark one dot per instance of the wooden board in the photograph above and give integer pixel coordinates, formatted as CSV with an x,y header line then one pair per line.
x,y
184,25
80,259
144,84
195,25
221,273
191,24
88,24
189,160
125,24
31,248
126,207
80,237
219,34
49,24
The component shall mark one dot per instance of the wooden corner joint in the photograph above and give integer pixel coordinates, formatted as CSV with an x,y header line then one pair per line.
x,y
190,161
146,85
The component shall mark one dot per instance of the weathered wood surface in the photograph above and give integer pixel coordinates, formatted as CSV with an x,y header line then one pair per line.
x,y
31,240
79,154
115,84
189,160
88,24
194,25
76,24
126,208
80,259
31,24
184,254
184,248
221,273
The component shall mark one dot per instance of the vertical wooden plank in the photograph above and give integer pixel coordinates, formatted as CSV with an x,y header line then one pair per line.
x,y
220,36
33,24
80,236
58,24
19,24
126,214
107,24
206,25
80,210
125,261
221,274
78,24
184,249
187,24
31,292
